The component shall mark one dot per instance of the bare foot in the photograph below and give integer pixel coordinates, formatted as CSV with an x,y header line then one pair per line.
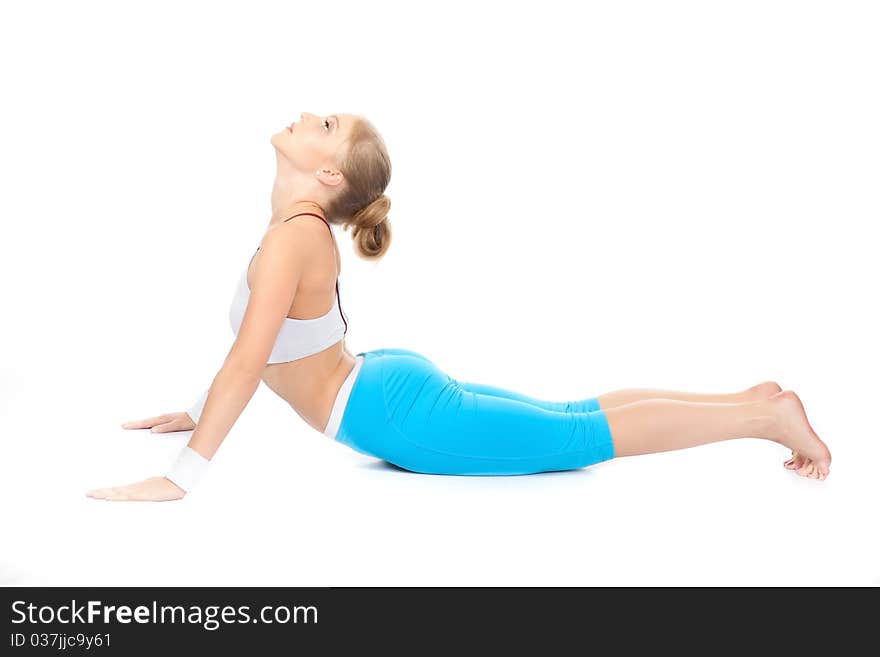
x,y
810,456
763,390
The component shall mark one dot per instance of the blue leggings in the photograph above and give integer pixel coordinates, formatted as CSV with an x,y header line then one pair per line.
x,y
405,410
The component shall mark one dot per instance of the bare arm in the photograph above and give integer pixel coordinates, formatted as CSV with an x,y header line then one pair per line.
x,y
195,411
227,397
276,277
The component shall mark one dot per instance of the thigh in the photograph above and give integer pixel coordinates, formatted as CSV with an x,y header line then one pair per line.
x,y
434,425
484,426
576,406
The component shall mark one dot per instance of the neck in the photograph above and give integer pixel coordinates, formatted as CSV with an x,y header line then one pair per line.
x,y
288,199
288,207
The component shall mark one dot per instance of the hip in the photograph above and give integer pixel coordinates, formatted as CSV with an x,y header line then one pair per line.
x,y
402,408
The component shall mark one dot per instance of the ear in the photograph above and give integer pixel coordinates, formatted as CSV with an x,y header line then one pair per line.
x,y
332,177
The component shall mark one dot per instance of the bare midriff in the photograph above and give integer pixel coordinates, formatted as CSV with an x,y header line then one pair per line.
x,y
310,384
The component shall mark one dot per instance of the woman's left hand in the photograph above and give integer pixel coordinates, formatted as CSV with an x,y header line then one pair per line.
x,y
154,489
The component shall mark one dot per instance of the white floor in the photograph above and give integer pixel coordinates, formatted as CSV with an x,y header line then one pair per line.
x,y
671,195
282,505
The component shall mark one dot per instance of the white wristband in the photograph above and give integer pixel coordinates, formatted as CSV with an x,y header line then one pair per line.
x,y
188,468
195,411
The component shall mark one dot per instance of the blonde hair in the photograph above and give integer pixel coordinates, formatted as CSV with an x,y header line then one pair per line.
x,y
361,203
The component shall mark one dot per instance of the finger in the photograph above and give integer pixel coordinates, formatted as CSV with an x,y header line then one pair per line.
x,y
118,493
165,427
146,424
98,493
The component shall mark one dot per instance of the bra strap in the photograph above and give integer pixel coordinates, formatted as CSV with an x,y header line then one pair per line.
x,y
311,214
338,300
339,303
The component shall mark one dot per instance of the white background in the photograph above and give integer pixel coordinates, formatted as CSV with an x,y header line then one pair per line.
x,y
585,197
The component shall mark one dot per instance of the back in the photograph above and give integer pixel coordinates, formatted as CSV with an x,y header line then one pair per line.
x,y
300,337
309,383
305,373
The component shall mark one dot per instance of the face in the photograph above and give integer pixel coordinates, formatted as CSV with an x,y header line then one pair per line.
x,y
311,144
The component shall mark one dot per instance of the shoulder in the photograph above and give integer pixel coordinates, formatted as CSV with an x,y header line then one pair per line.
x,y
300,235
285,252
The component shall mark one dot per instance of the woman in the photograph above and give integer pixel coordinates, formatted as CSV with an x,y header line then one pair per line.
x,y
395,404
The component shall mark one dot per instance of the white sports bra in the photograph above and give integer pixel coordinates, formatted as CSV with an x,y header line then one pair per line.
x,y
297,338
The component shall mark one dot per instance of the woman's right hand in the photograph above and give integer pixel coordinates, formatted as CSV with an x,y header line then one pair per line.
x,y
163,423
